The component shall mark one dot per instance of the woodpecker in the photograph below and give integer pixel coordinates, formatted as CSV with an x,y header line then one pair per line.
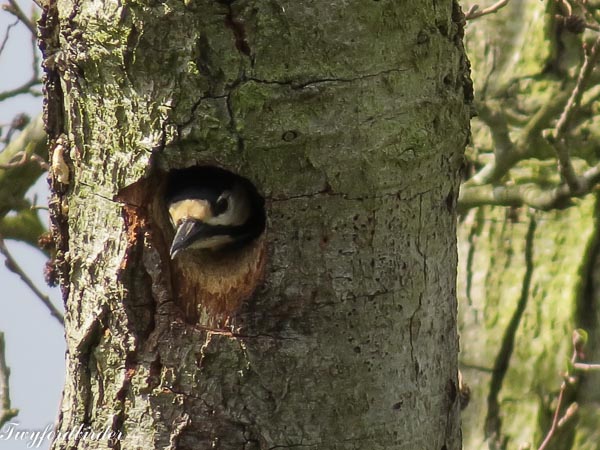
x,y
212,209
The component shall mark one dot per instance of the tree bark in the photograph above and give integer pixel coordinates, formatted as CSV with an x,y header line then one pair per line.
x,y
351,119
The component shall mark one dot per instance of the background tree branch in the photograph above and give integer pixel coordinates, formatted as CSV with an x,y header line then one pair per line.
x,y
20,169
6,412
13,266
514,128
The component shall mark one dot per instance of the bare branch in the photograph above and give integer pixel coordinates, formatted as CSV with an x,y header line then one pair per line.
x,y
15,182
592,26
565,165
525,146
19,159
557,138
24,226
556,418
529,194
15,10
474,12
6,412
578,341
497,123
587,68
12,265
25,88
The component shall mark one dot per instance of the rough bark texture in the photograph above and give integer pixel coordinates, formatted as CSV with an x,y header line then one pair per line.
x,y
350,117
527,280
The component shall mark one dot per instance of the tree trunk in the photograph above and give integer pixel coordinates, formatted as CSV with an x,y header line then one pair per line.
x,y
350,118
527,279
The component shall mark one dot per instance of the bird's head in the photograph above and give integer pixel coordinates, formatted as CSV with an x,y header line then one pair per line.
x,y
212,209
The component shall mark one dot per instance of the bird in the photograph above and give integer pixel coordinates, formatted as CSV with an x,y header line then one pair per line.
x,y
212,209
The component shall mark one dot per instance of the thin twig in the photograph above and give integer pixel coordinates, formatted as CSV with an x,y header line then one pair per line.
x,y
12,265
25,88
6,412
6,36
41,161
557,420
568,415
35,60
15,10
557,138
590,59
592,26
474,12
586,367
565,165
19,122
568,10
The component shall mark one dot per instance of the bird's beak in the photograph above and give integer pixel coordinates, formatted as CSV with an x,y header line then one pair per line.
x,y
187,232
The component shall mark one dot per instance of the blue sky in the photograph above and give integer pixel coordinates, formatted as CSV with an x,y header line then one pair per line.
x,y
34,340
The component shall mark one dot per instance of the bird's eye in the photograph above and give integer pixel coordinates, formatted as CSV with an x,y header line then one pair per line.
x,y
221,205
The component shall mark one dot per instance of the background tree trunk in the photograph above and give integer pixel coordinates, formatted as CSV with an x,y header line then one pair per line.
x,y
528,279
351,118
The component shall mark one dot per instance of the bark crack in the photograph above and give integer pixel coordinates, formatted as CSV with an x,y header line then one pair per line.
x,y
424,259
410,332
419,250
305,84
330,193
239,32
493,421
195,107
293,446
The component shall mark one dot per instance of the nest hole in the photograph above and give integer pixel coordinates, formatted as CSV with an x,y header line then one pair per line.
x,y
217,241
